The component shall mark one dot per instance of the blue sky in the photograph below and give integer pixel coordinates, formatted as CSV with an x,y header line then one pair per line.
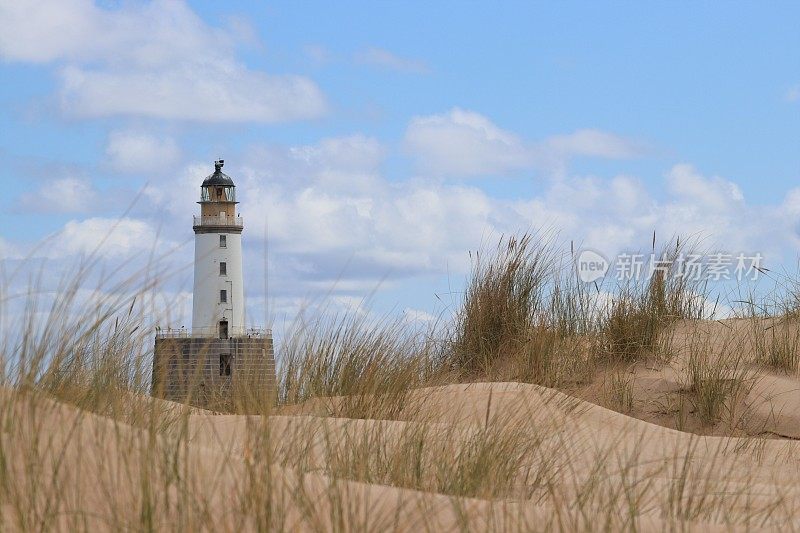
x,y
383,141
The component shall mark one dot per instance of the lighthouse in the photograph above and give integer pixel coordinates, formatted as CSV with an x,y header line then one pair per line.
x,y
218,302
220,362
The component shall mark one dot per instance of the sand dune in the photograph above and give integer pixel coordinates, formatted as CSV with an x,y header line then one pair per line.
x,y
584,467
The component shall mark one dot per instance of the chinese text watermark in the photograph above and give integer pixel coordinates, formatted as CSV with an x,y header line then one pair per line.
x,y
718,266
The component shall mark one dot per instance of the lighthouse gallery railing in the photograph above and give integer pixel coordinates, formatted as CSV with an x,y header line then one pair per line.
x,y
181,333
217,221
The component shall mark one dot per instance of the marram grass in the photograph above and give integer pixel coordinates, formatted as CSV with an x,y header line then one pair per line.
x,y
380,427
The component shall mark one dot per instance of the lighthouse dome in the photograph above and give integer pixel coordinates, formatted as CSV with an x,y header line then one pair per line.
x,y
218,178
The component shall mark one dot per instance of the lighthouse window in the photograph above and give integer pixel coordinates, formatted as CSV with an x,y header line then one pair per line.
x,y
223,241
224,364
223,296
223,268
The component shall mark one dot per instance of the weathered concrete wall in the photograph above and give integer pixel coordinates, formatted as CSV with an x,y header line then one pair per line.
x,y
188,369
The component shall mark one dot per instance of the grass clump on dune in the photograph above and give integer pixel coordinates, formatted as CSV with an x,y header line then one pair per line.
x,y
777,343
524,317
718,379
504,295
640,311
775,332
367,364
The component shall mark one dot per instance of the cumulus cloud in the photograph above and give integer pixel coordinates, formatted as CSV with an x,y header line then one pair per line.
x,y
379,57
397,229
160,32
417,315
593,143
466,143
350,163
716,208
714,193
155,59
130,151
410,228
43,31
106,236
63,195
175,197
213,93
328,236
353,152
327,232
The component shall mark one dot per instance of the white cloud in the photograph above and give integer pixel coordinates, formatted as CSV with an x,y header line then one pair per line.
x,y
213,93
342,164
629,194
160,32
466,143
176,196
417,315
313,220
46,30
322,229
593,143
385,59
350,238
715,193
107,236
791,203
400,229
405,229
619,213
351,153
130,151
63,195
132,37
155,59
320,225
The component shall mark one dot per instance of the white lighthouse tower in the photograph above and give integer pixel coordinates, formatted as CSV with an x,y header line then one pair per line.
x,y
218,363
218,305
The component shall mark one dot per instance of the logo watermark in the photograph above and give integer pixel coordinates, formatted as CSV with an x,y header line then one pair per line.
x,y
591,266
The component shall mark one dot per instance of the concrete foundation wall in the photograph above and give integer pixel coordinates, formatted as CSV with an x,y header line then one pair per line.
x,y
188,369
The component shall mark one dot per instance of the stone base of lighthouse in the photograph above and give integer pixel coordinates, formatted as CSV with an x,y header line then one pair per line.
x,y
234,374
